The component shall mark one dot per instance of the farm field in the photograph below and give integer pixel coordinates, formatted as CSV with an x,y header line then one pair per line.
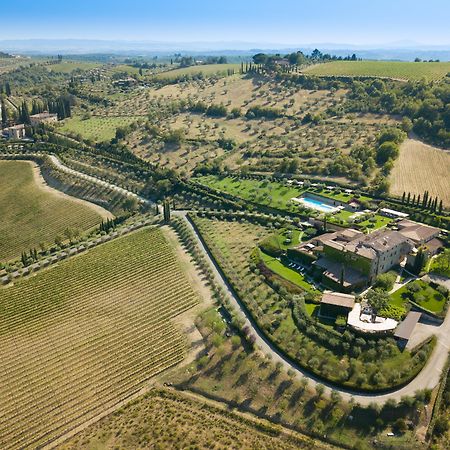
x,y
206,69
169,419
98,129
31,214
86,334
70,66
391,69
421,167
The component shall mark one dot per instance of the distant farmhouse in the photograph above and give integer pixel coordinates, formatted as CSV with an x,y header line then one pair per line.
x,y
44,117
14,132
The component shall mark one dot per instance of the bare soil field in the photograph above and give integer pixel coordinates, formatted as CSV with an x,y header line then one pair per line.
x,y
421,167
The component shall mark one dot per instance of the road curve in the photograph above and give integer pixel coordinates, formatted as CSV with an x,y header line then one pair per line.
x,y
59,165
429,376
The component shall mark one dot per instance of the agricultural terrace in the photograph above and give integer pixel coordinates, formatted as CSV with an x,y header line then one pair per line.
x,y
169,419
277,195
205,70
83,336
98,129
283,316
260,143
421,167
413,71
32,214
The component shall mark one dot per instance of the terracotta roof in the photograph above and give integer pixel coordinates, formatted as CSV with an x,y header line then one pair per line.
x,y
405,329
338,299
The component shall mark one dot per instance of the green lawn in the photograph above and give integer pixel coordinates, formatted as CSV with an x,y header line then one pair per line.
x,y
441,264
283,271
259,191
96,128
380,221
340,196
206,69
390,69
427,297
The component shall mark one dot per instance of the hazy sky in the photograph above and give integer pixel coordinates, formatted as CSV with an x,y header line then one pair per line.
x,y
364,22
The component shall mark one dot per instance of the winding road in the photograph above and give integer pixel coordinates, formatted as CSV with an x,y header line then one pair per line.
x,y
429,377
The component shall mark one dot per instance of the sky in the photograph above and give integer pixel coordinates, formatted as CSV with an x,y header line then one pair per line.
x,y
284,22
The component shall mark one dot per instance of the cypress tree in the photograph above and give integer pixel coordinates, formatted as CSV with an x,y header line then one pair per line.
x,y
7,89
25,114
4,114
440,207
403,197
409,198
414,200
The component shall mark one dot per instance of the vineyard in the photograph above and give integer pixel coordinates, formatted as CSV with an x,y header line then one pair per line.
x,y
412,171
83,336
207,69
31,215
432,71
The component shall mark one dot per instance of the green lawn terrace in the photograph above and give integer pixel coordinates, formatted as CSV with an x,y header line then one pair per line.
x,y
428,296
275,194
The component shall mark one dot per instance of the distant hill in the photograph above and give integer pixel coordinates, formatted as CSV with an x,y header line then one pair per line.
x,y
5,55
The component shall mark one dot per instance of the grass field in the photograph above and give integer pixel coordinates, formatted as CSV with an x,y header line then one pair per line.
x,y
289,274
70,66
207,69
31,215
81,337
441,264
96,128
168,419
426,296
389,69
421,167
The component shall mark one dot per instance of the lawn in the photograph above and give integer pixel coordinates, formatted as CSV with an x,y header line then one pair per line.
x,y
426,296
206,69
441,264
86,334
277,195
390,69
264,192
97,128
283,271
31,215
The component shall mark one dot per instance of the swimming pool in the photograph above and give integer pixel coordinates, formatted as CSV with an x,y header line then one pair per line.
x,y
316,204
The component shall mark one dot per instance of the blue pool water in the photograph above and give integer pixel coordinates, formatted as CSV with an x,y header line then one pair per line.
x,y
316,204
